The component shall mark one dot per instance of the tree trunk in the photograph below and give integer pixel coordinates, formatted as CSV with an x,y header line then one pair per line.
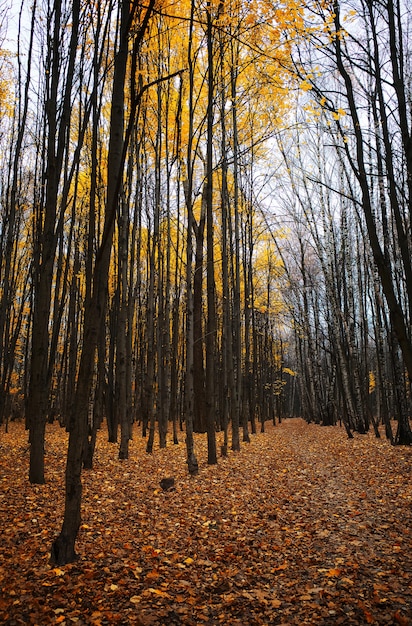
x,y
192,463
210,266
121,357
198,334
39,385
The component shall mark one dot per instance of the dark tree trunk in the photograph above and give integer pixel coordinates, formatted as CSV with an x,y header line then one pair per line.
x,y
210,274
40,370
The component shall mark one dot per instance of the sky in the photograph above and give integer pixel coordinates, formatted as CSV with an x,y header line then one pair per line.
x,y
11,10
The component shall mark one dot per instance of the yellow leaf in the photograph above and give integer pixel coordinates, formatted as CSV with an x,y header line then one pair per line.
x,y
305,85
338,114
58,571
159,592
188,561
135,599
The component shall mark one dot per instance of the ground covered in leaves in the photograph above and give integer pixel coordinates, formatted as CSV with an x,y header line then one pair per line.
x,y
303,526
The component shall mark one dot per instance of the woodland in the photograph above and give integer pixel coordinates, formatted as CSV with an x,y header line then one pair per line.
x,y
205,255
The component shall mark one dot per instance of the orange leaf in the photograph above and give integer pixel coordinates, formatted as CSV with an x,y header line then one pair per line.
x,y
400,619
368,615
159,592
58,571
333,572
280,567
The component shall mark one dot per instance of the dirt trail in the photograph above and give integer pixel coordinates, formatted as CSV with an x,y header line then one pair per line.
x,y
303,526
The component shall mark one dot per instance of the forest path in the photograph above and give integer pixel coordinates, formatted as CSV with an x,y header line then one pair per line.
x,y
302,526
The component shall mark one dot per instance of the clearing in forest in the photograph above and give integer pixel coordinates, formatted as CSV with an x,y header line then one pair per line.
x,y
303,526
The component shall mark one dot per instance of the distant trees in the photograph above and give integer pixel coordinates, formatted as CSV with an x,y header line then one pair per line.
x,y
15,265
349,164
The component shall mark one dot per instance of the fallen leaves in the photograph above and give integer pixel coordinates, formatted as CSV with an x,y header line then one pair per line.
x,y
303,526
333,572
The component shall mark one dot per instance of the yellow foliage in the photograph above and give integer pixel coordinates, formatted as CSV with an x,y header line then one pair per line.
x,y
6,85
305,85
338,114
372,381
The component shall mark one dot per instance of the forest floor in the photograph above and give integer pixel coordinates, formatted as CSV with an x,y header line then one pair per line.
x,y
302,526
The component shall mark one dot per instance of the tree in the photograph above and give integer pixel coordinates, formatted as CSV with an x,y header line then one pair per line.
x,y
349,53
14,286
63,548
210,266
57,122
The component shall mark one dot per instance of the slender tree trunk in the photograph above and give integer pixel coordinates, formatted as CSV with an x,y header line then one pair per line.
x,y
192,463
210,266
121,356
198,332
238,399
226,343
38,397
174,374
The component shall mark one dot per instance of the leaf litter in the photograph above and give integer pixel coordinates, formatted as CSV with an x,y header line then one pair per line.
x,y
302,526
